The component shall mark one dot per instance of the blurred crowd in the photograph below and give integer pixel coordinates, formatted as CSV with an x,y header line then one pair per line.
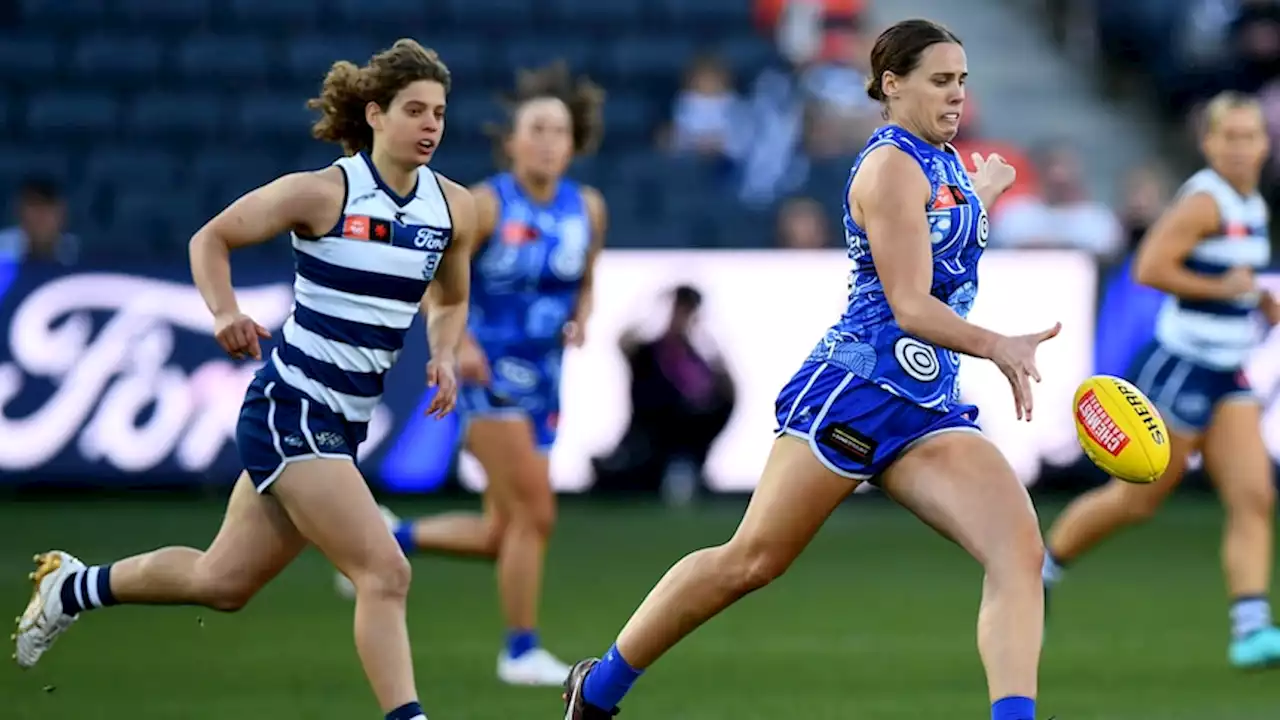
x,y
778,142
816,116
1186,51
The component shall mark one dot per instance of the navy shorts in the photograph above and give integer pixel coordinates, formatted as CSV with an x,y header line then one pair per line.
x,y
541,409
1184,392
280,425
856,428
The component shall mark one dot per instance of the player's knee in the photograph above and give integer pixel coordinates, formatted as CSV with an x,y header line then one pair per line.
x,y
495,528
229,599
750,567
1029,558
1019,555
224,591
534,509
542,519
1256,500
1140,508
387,577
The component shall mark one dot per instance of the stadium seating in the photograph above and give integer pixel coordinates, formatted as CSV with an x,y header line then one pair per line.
x,y
155,112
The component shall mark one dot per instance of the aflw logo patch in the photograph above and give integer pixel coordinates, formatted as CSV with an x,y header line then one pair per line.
x,y
948,197
363,227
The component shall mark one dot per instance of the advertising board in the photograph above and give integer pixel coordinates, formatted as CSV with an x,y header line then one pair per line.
x,y
764,311
111,375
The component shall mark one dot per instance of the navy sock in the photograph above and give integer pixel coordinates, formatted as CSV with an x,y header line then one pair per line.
x,y
87,589
1014,707
609,681
404,536
407,711
520,642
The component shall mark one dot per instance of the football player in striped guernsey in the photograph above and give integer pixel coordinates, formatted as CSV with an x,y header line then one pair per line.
x,y
378,237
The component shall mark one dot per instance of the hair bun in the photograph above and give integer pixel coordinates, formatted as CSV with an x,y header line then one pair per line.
x,y
874,90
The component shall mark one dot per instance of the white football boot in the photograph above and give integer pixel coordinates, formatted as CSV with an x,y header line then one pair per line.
x,y
535,667
43,620
341,583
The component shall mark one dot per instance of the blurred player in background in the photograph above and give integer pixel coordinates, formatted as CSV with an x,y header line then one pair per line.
x,y
878,398
376,237
532,282
1204,252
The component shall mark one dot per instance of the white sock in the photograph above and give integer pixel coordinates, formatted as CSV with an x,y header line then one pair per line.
x,y
1051,572
1249,615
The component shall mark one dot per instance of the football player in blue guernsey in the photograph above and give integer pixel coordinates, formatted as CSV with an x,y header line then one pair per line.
x,y
378,238
531,295
877,400
1204,253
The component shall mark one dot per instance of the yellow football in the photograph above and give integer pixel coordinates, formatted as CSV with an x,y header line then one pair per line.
x,y
1120,430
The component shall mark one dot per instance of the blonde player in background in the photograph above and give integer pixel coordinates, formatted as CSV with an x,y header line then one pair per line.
x,y
1204,252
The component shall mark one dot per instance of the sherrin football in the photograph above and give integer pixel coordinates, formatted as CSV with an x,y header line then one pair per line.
x,y
1120,430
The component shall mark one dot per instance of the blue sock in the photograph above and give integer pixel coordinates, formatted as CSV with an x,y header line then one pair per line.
x,y
407,711
404,536
520,642
1014,707
609,681
87,589
1249,614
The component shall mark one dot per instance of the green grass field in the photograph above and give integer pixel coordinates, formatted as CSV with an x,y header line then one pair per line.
x,y
1137,633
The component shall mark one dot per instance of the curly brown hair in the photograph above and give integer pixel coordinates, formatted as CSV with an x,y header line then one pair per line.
x,y
348,89
583,97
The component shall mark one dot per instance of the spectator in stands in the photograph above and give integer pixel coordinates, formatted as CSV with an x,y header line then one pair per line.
x,y
774,163
707,118
802,225
1269,99
1145,193
1063,216
768,13
40,235
840,115
1255,36
681,399
969,140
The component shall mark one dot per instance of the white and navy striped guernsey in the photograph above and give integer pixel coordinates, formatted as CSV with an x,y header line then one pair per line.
x,y
358,287
1219,333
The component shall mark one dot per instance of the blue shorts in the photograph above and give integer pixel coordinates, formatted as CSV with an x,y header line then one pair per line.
x,y
1184,392
280,425
855,427
541,410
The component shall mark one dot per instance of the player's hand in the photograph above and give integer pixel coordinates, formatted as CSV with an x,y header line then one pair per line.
x,y
1238,281
993,173
575,333
1016,358
473,366
440,375
1270,307
239,335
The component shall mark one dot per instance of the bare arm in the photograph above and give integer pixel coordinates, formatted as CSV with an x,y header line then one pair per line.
x,y
891,192
598,213
308,202
486,204
450,292
1159,261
